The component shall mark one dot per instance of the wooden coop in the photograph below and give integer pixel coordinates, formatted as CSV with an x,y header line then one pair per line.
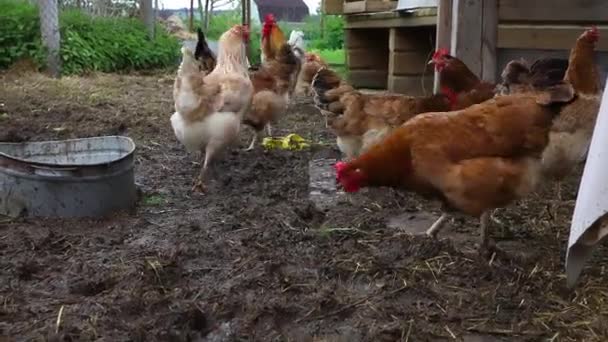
x,y
388,43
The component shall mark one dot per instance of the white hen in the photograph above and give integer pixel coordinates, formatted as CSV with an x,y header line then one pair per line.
x,y
209,109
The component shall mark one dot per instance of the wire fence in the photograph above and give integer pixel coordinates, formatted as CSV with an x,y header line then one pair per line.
x,y
49,20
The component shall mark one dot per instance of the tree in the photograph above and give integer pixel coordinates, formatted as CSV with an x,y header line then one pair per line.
x,y
210,7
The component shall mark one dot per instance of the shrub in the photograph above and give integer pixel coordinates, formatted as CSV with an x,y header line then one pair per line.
x,y
87,43
333,37
19,32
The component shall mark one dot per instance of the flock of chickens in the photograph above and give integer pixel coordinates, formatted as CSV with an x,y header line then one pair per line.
x,y
214,95
475,146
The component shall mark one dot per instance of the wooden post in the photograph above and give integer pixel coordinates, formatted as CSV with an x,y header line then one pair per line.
x,y
148,15
489,38
474,34
467,32
51,39
206,26
191,16
322,17
246,20
444,32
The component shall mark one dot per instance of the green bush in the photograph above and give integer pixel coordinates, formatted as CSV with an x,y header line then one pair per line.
x,y
331,39
19,33
87,43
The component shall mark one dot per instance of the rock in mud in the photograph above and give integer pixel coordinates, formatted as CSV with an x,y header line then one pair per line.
x,y
323,191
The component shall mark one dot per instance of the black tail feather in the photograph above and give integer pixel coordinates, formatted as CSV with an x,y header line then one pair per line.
x,y
202,51
546,72
323,81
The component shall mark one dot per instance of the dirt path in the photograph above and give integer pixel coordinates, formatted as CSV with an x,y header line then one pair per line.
x,y
255,260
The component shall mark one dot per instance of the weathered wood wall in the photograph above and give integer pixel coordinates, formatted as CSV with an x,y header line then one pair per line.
x,y
388,53
367,57
410,49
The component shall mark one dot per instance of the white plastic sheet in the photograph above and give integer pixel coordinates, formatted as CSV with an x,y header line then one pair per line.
x,y
590,222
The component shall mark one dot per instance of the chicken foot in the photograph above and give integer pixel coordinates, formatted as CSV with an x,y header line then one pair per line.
x,y
199,182
255,138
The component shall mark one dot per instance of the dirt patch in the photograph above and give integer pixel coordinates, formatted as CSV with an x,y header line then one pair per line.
x,y
255,259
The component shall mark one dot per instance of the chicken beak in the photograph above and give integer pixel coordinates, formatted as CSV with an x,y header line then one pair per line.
x,y
430,62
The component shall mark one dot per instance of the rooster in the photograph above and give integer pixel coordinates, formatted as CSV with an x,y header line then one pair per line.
x,y
360,120
272,84
209,109
272,38
474,160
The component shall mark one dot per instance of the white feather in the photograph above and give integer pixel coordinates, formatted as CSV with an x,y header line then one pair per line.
x,y
296,39
218,128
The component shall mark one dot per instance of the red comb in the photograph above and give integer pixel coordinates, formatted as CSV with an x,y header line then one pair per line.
x,y
269,22
440,53
269,19
340,168
591,34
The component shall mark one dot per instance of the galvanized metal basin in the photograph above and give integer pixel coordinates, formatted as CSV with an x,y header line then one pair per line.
x,y
86,177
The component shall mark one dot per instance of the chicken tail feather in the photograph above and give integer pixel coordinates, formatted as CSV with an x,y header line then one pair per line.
x,y
203,53
327,88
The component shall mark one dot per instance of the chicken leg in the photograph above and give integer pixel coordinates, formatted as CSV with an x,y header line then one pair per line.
x,y
199,183
255,138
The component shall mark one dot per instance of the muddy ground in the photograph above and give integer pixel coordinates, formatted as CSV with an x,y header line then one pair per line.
x,y
254,259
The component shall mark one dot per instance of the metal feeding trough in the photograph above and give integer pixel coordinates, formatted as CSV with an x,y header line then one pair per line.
x,y
71,178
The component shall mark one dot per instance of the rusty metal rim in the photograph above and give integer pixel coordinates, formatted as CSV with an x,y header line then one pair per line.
x,y
64,178
56,166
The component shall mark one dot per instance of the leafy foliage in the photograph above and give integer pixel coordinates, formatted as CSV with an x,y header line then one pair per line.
x,y
19,32
331,39
120,44
87,43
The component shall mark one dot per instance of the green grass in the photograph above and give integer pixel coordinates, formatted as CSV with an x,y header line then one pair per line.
x,y
336,60
333,57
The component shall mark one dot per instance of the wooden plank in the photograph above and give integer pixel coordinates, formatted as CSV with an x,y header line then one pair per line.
x,y
374,79
333,6
410,39
363,59
488,40
409,63
590,11
390,22
444,32
544,37
411,85
369,39
369,6
467,33
354,7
